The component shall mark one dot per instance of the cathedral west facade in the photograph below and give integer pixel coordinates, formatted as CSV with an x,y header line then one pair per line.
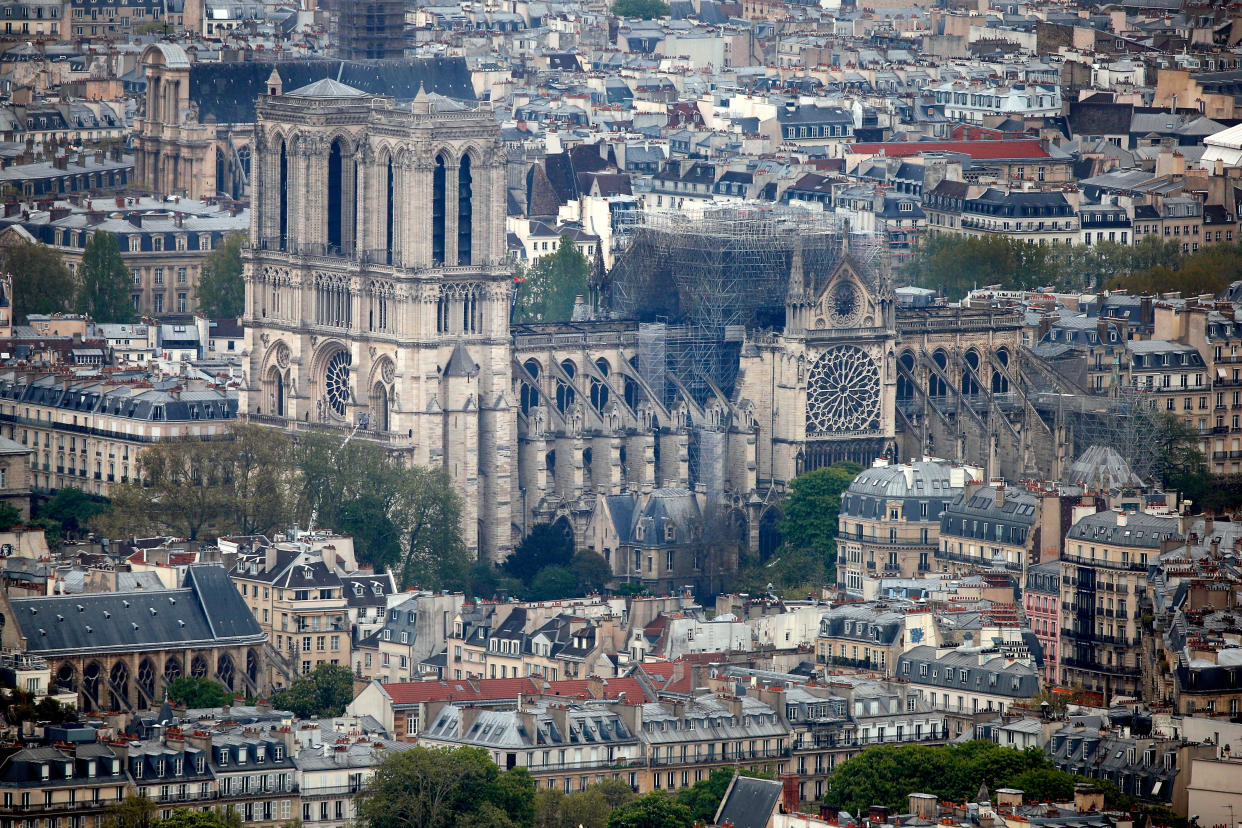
x,y
378,301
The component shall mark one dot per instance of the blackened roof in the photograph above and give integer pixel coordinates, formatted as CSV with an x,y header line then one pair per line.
x,y
227,91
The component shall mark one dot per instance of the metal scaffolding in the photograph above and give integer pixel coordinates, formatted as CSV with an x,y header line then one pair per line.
x,y
1128,420
697,282
366,31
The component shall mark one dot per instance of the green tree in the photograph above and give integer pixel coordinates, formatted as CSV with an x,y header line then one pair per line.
x,y
545,545
811,509
1044,785
237,483
188,818
19,706
589,808
954,265
324,691
258,492
548,287
443,788
221,292
412,512
641,9
655,810
197,692
553,582
105,289
73,510
130,812
1182,466
887,774
41,282
591,570
10,516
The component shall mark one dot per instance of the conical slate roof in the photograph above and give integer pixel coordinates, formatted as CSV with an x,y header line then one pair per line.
x,y
461,364
1102,468
327,88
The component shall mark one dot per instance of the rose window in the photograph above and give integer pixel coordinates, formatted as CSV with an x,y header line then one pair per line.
x,y
845,305
843,392
336,383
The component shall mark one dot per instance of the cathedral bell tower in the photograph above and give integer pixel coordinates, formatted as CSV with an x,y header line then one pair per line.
x,y
377,286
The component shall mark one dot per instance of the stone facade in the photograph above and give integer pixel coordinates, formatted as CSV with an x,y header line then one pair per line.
x,y
378,303
377,294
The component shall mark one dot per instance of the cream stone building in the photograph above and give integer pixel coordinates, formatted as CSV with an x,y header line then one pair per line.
x,y
378,301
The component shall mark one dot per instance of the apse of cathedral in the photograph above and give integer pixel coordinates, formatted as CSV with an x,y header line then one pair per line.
x,y
378,304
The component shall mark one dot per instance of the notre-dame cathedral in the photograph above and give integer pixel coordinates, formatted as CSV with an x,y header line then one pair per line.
x,y
378,299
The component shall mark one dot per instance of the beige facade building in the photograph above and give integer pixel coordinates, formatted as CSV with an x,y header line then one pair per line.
x,y
1103,577
87,434
296,593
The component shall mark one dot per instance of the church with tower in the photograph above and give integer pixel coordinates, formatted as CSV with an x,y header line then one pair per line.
x,y
378,299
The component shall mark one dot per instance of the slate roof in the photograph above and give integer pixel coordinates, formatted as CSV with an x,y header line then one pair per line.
x,y
1139,530
749,803
327,88
207,611
228,91
1101,467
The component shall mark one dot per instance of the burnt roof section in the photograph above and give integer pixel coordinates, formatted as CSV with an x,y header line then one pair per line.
x,y
227,91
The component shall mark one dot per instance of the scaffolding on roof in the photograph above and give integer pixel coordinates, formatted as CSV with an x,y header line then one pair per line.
x,y
707,277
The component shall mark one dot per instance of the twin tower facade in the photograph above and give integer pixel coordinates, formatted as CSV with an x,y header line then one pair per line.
x,y
378,296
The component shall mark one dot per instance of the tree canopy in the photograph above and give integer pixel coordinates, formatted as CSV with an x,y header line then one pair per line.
x,y
545,545
446,788
547,288
197,692
256,480
409,517
104,293
189,818
954,265
41,282
642,9
655,810
131,812
588,808
324,691
221,291
240,485
888,774
73,510
808,552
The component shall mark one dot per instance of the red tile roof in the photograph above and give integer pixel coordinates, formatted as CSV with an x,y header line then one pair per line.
x,y
417,692
481,690
975,149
